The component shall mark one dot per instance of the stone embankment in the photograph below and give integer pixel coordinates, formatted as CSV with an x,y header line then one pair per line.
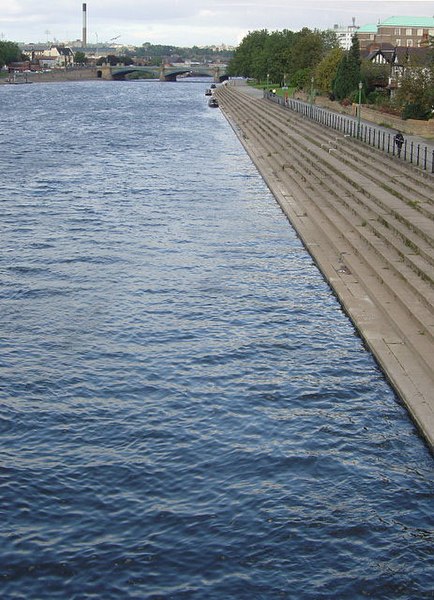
x,y
367,220
55,75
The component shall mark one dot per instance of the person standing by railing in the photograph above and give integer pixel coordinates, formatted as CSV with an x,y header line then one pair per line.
x,y
399,141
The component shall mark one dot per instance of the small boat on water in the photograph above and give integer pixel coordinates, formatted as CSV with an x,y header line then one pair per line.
x,y
208,92
213,103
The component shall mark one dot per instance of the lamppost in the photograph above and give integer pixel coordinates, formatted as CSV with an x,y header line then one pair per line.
x,y
311,90
359,113
268,82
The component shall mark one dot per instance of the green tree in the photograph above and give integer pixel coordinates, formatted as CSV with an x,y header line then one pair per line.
x,y
80,58
348,73
248,59
113,60
301,79
330,40
415,94
325,71
282,55
277,48
307,50
375,79
9,52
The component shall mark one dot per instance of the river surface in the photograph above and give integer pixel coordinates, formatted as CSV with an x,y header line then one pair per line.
x,y
185,411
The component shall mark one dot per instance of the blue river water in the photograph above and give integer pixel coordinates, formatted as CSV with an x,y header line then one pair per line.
x,y
185,411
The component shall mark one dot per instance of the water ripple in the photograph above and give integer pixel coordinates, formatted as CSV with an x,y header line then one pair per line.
x,y
185,411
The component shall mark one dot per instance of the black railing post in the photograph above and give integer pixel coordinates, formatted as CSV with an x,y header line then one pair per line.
x,y
415,153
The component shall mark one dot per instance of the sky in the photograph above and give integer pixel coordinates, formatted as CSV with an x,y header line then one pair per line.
x,y
187,22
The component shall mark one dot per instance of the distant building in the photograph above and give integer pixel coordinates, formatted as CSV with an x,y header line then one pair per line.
x,y
345,34
379,54
409,32
399,59
366,35
53,57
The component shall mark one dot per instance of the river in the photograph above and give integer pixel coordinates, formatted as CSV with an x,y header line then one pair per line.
x,y
185,410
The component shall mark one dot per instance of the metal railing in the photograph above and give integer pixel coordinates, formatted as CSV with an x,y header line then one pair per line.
x,y
419,155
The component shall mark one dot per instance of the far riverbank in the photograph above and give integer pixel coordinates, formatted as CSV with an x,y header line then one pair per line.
x,y
54,75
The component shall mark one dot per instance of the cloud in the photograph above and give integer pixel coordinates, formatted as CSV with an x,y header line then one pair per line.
x,y
189,22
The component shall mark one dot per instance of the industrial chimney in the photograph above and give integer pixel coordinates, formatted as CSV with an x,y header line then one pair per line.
x,y
84,40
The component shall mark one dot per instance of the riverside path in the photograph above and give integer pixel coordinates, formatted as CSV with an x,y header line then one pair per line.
x,y
367,220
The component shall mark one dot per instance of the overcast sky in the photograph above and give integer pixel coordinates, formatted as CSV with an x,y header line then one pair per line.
x,y
187,22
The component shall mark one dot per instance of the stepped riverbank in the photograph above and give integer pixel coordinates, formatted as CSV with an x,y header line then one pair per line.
x,y
367,219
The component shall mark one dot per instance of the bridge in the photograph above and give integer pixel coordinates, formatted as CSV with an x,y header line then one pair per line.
x,y
164,72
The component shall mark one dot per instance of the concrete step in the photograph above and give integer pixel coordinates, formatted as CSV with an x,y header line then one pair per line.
x,y
414,188
406,299
417,198
379,300
412,172
409,240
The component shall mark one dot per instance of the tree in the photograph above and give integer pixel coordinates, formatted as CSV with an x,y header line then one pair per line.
x,y
341,89
247,60
375,79
354,64
416,92
113,60
80,58
275,48
330,40
301,78
307,50
326,69
281,55
9,52
348,72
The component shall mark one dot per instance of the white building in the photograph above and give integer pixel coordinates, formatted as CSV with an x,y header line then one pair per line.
x,y
54,57
345,34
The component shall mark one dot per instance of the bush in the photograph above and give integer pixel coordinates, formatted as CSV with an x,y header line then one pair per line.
x,y
416,110
377,97
301,78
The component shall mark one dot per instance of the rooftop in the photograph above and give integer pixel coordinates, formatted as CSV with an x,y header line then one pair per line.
x,y
408,22
367,29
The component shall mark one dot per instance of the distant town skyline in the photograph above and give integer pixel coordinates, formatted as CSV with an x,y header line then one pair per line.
x,y
188,22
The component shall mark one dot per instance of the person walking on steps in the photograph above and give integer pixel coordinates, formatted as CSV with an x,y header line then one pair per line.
x,y
399,140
